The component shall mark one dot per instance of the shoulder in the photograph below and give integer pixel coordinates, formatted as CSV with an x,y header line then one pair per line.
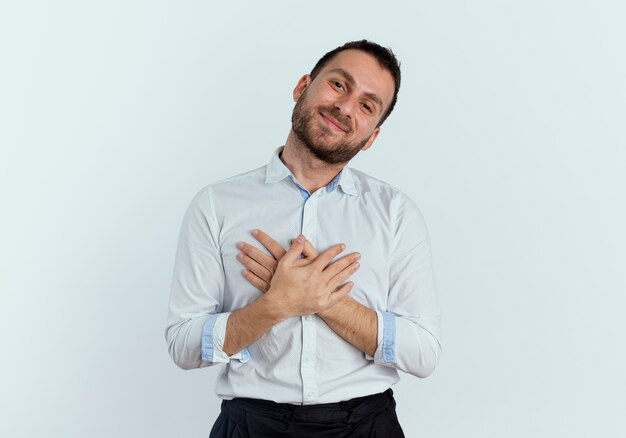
x,y
368,185
230,186
400,206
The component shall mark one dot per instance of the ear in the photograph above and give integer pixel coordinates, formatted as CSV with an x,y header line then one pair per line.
x,y
370,140
302,85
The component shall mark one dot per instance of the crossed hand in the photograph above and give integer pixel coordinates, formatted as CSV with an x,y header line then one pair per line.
x,y
300,280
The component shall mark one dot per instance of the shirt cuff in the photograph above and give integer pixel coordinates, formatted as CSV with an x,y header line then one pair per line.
x,y
213,334
386,350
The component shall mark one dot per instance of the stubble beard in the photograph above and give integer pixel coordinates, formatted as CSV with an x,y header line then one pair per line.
x,y
302,124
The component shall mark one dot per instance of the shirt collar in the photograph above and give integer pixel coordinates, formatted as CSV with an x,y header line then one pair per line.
x,y
276,171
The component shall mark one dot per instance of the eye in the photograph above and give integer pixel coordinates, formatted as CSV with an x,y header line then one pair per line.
x,y
367,107
338,85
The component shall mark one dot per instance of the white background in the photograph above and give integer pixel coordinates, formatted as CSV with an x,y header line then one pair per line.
x,y
509,133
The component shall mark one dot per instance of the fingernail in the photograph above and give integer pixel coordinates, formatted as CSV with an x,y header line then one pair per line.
x,y
240,245
358,256
343,246
300,238
255,232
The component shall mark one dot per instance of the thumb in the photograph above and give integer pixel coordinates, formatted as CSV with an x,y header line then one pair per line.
x,y
295,250
309,252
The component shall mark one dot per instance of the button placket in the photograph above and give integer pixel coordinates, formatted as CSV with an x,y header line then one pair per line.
x,y
309,335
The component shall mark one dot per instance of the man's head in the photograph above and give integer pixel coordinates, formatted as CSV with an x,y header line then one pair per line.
x,y
342,103
383,55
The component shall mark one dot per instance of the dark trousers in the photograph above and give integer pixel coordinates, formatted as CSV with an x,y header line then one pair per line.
x,y
373,416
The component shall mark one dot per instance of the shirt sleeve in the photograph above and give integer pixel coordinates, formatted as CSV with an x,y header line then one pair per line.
x,y
196,326
409,329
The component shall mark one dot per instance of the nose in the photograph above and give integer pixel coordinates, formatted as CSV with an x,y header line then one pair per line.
x,y
345,105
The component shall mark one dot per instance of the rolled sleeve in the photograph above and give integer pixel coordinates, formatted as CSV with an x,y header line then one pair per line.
x,y
411,324
213,334
197,287
386,349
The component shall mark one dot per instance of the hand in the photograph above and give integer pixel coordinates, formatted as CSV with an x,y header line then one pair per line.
x,y
351,320
300,286
260,267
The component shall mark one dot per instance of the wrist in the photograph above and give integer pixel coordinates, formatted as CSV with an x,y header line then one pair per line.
x,y
330,312
271,309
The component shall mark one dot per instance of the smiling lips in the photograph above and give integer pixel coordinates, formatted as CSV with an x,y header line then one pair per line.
x,y
334,123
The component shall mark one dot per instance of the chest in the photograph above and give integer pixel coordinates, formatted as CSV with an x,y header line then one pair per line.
x,y
324,221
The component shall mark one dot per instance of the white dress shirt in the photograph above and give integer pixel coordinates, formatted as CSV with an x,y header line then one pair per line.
x,y
301,360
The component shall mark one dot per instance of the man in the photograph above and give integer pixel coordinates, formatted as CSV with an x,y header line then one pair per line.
x,y
311,341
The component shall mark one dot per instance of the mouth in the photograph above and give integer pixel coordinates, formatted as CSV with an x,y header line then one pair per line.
x,y
334,124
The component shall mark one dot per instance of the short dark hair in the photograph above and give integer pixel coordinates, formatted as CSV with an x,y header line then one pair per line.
x,y
385,57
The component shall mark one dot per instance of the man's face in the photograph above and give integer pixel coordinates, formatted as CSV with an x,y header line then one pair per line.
x,y
336,114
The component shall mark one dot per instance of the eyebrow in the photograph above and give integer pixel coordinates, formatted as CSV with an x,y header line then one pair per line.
x,y
348,77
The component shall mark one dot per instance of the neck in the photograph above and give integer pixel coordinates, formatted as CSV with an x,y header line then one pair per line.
x,y
309,170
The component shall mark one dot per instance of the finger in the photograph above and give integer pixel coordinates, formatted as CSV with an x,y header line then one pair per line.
x,y
309,252
340,294
344,274
255,281
272,246
266,261
295,250
339,265
324,258
258,269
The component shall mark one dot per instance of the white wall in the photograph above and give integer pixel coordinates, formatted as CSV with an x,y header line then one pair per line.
x,y
509,133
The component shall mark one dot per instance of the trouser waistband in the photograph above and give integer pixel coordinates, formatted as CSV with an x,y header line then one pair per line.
x,y
348,411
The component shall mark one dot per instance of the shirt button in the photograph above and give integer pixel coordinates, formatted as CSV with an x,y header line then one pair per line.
x,y
310,394
308,317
